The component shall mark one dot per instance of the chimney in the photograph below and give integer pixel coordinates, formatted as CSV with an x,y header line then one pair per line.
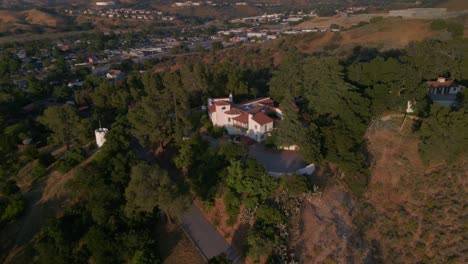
x,y
441,79
230,98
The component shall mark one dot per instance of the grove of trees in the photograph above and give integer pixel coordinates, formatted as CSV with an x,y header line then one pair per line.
x,y
156,161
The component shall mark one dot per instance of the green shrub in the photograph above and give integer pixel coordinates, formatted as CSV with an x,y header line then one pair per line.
x,y
31,152
217,131
231,221
295,185
46,159
456,29
9,188
71,159
220,259
376,19
232,203
438,24
39,171
14,208
360,24
269,215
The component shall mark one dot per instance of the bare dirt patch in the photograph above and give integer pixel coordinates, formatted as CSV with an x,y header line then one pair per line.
x,y
36,17
393,157
327,227
418,210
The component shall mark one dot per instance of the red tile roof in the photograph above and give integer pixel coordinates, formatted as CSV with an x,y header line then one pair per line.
x,y
221,103
262,119
256,110
243,118
212,108
234,111
437,84
267,101
258,100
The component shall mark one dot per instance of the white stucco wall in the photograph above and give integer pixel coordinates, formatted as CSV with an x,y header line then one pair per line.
x,y
256,131
456,89
100,134
221,117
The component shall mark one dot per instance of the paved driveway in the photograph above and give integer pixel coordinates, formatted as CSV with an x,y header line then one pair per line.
x,y
282,161
208,240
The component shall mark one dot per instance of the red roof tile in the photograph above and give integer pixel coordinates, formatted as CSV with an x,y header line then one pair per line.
x,y
262,119
258,100
221,103
256,110
212,108
437,84
267,101
233,111
243,118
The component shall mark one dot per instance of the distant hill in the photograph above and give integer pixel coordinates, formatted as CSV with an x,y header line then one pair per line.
x,y
454,5
391,33
22,3
213,12
29,20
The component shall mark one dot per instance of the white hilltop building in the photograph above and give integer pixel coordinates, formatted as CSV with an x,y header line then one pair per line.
x,y
442,91
254,119
100,134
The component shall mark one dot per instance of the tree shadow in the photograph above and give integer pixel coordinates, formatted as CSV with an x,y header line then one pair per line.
x,y
238,243
375,253
171,234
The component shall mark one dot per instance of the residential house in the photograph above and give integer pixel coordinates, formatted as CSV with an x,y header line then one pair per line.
x,y
254,118
115,75
444,91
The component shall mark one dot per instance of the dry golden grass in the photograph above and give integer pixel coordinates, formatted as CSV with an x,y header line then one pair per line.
x,y
391,33
36,17
326,22
455,5
10,21
418,208
9,17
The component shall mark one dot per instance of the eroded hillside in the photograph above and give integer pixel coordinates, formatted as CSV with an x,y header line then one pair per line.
x,y
411,212
419,210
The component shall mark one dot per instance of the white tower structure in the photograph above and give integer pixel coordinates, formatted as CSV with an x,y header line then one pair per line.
x,y
409,107
100,134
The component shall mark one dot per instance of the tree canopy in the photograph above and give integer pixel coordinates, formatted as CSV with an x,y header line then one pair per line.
x,y
151,187
66,126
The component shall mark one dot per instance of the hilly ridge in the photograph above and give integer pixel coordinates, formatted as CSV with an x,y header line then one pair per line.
x,y
12,21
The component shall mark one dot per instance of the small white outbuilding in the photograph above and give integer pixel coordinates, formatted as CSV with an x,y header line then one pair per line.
x,y
100,134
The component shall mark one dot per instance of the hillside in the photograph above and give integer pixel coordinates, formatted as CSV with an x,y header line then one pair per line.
x,y
28,20
410,213
391,33
454,5
212,12
419,209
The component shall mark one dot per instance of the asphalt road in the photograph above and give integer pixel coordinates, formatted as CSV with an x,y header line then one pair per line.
x,y
208,240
